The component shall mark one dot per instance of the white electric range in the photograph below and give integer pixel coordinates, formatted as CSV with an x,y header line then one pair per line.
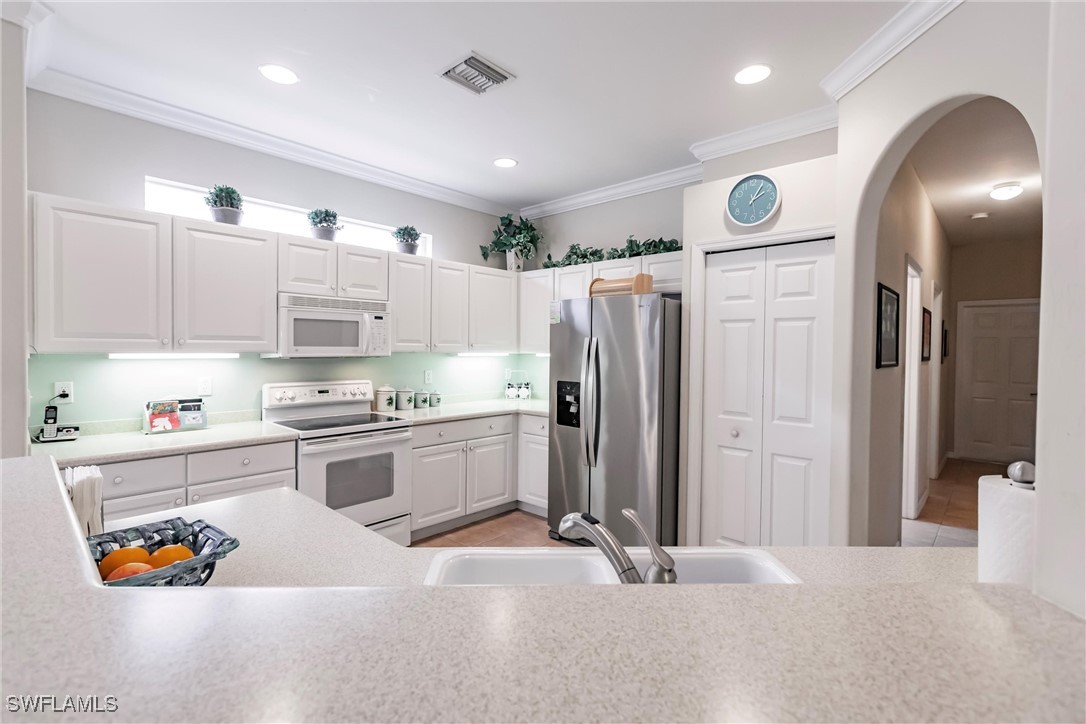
x,y
353,460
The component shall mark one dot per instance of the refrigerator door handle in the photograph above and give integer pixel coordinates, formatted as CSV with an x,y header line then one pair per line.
x,y
592,413
585,360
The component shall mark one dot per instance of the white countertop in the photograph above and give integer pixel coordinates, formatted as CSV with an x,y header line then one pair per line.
x,y
872,634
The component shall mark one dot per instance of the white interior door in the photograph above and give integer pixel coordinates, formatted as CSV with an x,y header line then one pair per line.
x,y
996,381
732,428
911,489
796,418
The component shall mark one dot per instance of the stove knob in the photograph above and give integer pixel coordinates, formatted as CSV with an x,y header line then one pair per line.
x,y
344,393
279,396
290,396
354,392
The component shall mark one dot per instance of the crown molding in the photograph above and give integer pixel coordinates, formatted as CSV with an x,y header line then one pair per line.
x,y
664,180
26,14
130,104
783,129
912,21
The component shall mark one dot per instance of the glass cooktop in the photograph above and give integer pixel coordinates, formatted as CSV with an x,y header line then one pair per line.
x,y
334,422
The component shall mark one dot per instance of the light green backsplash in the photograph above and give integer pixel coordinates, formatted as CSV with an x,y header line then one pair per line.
x,y
108,389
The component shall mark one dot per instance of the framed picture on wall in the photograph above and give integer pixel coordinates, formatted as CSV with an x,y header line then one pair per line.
x,y
946,343
925,337
888,305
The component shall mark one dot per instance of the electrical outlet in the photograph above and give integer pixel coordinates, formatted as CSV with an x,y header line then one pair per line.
x,y
203,387
508,375
59,387
428,377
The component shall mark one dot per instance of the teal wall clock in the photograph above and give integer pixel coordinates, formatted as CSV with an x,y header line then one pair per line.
x,y
754,200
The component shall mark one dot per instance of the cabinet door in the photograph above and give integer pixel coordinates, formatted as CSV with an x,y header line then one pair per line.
x,y
532,455
438,484
101,278
449,307
490,472
225,284
571,282
492,325
307,266
536,293
240,486
363,273
409,293
133,505
616,268
666,270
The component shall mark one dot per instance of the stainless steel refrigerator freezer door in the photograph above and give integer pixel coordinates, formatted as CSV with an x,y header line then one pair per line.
x,y
567,477
629,406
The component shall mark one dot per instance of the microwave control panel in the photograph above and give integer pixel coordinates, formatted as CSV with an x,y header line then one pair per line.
x,y
377,344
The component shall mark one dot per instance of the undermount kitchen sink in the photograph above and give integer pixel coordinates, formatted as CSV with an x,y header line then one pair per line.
x,y
542,566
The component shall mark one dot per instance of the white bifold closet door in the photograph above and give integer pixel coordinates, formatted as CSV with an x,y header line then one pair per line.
x,y
766,432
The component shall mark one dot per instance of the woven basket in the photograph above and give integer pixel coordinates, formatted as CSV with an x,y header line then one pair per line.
x,y
208,544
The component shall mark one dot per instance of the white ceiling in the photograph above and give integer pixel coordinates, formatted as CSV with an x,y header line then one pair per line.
x,y
965,154
604,92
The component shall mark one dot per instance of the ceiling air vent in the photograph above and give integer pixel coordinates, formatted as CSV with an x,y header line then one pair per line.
x,y
477,75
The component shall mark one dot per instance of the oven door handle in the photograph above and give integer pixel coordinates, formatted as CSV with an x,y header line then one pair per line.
x,y
308,447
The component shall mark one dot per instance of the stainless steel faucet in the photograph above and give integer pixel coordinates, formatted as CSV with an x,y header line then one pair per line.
x,y
583,526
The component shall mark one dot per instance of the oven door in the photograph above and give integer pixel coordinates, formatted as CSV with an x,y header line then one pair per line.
x,y
321,333
366,477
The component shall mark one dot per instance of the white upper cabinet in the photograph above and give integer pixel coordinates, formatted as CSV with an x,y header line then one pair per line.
x,y
616,268
307,266
101,278
493,320
409,294
571,282
224,287
449,307
363,273
666,270
536,293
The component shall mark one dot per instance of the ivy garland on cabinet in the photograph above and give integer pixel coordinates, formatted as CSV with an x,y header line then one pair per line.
x,y
578,254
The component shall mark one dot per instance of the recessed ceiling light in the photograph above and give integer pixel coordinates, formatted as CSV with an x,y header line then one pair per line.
x,y
1003,192
753,74
278,74
980,215
505,162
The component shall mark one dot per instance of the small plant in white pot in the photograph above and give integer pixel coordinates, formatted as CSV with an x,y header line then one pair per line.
x,y
407,239
519,240
324,223
225,204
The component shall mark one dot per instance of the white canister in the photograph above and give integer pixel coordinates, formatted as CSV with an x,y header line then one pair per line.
x,y
405,399
422,399
435,399
385,399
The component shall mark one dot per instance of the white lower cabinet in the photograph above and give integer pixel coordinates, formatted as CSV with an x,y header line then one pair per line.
x,y
532,461
239,486
145,504
438,484
490,472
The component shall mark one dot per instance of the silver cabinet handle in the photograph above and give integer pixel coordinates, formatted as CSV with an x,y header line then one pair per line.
x,y
735,433
245,461
118,480
195,498
179,501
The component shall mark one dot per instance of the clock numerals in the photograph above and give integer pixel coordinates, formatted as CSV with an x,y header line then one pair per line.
x,y
753,200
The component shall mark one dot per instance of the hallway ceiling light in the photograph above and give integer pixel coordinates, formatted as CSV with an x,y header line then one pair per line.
x,y
753,74
505,162
1003,192
980,215
278,74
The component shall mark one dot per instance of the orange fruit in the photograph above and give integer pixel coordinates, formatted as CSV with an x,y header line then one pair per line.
x,y
121,556
166,555
129,569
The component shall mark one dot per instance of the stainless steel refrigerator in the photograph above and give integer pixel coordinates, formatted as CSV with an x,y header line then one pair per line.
x,y
614,432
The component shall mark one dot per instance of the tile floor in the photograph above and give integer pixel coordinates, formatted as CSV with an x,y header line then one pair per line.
x,y
509,530
949,517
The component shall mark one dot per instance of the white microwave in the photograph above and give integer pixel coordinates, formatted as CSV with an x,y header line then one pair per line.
x,y
333,327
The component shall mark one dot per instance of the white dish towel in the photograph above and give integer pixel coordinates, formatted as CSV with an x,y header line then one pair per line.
x,y
85,489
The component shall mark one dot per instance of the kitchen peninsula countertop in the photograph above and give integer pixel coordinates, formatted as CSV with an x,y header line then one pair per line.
x,y
871,634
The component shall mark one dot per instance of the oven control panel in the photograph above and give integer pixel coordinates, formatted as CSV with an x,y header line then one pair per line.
x,y
317,393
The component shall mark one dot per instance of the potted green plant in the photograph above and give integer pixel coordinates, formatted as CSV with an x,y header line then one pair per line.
x,y
576,254
225,204
407,239
323,223
518,240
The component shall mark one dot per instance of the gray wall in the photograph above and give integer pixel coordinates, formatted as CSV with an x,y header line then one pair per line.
x,y
88,153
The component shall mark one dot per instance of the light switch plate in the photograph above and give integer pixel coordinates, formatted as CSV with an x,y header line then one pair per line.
x,y
204,387
428,377
59,387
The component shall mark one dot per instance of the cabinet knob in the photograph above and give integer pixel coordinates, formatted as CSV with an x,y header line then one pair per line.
x,y
118,480
179,501
472,447
491,427
181,342
735,433
165,340
344,287
542,427
245,461
441,433
195,498
331,286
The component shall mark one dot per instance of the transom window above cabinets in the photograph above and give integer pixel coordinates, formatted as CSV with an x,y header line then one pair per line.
x,y
179,199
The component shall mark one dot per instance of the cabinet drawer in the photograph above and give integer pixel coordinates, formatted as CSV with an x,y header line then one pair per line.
x,y
535,425
438,433
240,462
240,486
133,505
120,480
